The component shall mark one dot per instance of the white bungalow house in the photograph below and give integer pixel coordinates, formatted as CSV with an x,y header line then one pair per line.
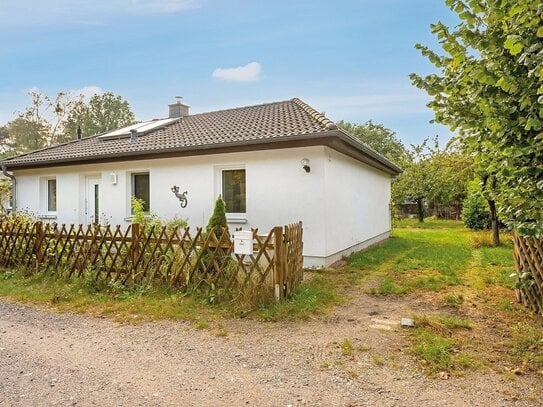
x,y
274,164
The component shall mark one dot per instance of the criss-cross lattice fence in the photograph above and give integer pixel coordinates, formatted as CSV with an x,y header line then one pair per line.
x,y
143,255
528,254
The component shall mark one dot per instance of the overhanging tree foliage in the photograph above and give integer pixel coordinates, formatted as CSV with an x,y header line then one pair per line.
x,y
49,121
379,138
103,113
490,89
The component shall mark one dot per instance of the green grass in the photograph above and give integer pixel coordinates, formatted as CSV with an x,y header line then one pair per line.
x,y
417,259
527,344
314,297
388,287
84,295
434,349
347,348
453,322
454,300
460,270
136,303
498,265
437,342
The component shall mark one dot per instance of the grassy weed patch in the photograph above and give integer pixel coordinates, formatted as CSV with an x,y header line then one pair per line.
x,y
313,297
438,340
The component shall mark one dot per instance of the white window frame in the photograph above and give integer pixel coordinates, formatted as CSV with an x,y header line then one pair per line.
x,y
44,196
232,217
132,186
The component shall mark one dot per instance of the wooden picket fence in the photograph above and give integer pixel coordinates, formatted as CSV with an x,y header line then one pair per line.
x,y
146,255
528,252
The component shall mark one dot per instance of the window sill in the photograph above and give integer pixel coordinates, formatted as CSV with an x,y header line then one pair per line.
x,y
238,219
131,218
48,216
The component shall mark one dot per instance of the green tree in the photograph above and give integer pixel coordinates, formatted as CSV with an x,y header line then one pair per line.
x,y
488,190
451,170
433,176
414,183
49,121
489,87
27,134
103,113
6,145
378,137
51,113
64,105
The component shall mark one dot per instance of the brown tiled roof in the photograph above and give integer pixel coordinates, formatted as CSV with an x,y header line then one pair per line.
x,y
245,126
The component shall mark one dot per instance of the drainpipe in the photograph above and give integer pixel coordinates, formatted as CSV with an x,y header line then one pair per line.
x,y
13,189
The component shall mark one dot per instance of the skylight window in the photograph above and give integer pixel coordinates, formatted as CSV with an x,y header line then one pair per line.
x,y
141,128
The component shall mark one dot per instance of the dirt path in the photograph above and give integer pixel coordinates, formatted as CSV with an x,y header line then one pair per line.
x,y
65,359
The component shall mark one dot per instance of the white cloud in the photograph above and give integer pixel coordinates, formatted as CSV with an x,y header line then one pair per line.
x,y
87,91
245,73
17,12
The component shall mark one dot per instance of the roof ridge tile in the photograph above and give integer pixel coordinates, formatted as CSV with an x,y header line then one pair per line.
x,y
329,124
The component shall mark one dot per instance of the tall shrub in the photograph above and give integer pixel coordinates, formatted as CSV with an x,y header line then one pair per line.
x,y
475,212
217,222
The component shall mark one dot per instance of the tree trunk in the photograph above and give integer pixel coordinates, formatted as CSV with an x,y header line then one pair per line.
x,y
420,210
494,223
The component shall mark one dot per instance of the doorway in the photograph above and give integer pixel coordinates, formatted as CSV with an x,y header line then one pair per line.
x,y
92,202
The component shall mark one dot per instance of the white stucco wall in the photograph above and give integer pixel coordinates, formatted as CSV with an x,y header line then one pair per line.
x,y
278,190
341,202
357,205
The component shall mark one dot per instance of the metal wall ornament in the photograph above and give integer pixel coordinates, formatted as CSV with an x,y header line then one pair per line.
x,y
182,197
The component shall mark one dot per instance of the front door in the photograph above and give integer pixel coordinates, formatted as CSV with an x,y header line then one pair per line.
x,y
92,204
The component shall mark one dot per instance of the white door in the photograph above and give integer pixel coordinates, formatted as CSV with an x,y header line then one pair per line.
x,y
92,203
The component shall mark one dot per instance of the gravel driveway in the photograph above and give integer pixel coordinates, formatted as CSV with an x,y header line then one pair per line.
x,y
65,359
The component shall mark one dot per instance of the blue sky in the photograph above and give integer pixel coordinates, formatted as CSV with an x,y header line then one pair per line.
x,y
349,59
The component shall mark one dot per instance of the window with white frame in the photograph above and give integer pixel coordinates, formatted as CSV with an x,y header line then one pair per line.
x,y
233,190
141,188
51,194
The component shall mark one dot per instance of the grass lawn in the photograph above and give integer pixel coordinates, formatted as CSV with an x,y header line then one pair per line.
x,y
471,319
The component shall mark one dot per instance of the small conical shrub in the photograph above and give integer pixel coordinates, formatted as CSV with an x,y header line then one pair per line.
x,y
217,224
217,221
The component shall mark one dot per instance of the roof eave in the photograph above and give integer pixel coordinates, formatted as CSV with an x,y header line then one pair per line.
x,y
346,137
332,138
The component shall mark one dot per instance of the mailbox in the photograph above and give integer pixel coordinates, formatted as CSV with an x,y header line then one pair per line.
x,y
243,242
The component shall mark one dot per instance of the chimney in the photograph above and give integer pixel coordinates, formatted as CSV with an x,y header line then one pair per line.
x,y
133,135
178,109
79,132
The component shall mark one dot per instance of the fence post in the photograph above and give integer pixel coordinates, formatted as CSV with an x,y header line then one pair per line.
x,y
38,249
135,245
278,273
